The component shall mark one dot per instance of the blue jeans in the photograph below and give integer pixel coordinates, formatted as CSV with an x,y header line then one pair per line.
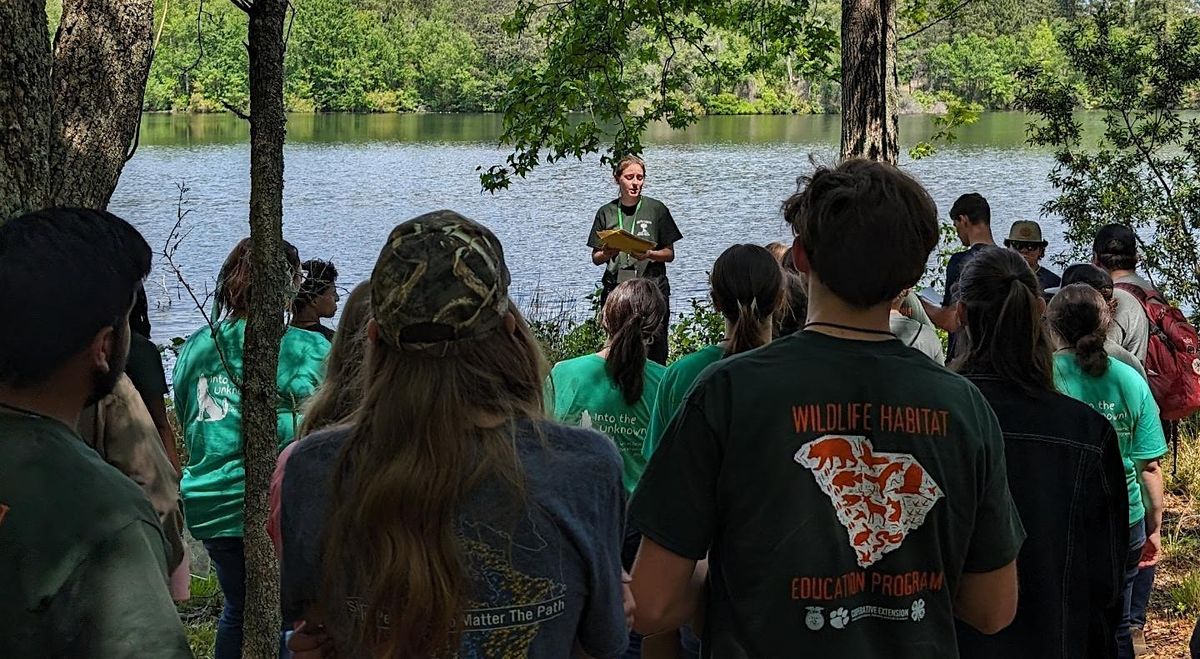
x,y
1141,596
229,559
1137,538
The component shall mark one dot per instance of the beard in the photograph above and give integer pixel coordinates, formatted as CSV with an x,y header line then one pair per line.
x,y
103,383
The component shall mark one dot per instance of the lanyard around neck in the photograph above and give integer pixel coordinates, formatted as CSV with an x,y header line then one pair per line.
x,y
621,216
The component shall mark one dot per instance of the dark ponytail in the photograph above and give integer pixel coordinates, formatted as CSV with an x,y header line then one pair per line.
x,y
1004,333
1076,315
747,284
632,315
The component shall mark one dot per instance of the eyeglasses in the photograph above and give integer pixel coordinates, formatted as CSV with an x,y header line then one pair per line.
x,y
1024,247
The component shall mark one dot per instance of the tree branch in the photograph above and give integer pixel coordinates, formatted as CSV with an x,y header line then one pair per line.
x,y
944,17
174,238
236,110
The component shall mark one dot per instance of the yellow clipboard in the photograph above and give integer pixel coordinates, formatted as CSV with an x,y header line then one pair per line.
x,y
624,241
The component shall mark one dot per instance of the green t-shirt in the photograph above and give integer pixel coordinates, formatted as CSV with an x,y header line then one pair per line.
x,y
840,489
1123,397
209,406
83,560
580,393
676,382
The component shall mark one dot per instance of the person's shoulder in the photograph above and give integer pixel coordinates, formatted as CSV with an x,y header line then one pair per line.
x,y
1089,425
576,365
582,447
299,339
1127,376
321,443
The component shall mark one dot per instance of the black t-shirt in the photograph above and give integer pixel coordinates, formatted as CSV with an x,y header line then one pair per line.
x,y
145,367
840,489
1048,279
649,219
954,270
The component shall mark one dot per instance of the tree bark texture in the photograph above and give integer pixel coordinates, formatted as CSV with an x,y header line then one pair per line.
x,y
869,99
270,277
24,106
102,55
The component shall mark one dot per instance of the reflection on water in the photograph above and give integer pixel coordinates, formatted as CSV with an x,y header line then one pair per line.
x,y
351,177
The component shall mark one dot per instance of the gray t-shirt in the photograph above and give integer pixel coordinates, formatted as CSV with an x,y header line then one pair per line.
x,y
545,576
1124,356
1135,279
1130,328
918,336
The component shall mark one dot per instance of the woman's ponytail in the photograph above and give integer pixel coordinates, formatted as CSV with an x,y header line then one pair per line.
x,y
633,313
747,287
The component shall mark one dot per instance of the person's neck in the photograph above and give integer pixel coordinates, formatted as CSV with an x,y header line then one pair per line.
x,y
629,202
981,235
829,314
1116,274
763,338
52,400
305,318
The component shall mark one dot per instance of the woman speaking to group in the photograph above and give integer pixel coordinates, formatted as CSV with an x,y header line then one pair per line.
x,y
644,218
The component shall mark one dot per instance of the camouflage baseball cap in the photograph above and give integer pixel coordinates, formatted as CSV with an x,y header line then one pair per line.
x,y
440,278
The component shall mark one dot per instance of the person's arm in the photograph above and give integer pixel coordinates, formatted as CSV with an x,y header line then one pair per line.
x,y
987,601
158,413
663,255
117,604
945,318
602,255
1150,476
987,593
667,588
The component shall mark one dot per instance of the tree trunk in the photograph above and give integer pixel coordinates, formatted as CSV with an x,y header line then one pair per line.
x,y
102,55
24,106
270,277
869,100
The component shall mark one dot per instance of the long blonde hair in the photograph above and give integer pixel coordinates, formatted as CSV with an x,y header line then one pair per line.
x,y
342,389
417,449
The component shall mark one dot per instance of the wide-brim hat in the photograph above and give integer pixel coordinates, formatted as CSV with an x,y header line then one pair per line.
x,y
1025,231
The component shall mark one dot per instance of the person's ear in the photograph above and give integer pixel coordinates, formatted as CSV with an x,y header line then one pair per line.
x,y
373,331
101,350
800,257
510,323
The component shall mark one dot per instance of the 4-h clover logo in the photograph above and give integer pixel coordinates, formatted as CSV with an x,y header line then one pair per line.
x,y
918,610
839,618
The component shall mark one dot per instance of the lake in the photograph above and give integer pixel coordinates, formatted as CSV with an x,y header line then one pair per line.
x,y
351,178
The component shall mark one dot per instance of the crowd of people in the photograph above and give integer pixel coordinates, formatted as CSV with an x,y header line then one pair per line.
x,y
828,479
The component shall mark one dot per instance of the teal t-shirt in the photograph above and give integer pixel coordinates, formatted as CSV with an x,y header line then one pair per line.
x,y
1124,398
208,403
580,393
676,382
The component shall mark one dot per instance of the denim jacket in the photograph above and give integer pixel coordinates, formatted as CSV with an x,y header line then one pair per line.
x,y
1067,480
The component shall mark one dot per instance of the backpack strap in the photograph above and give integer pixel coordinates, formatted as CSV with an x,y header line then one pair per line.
x,y
1142,295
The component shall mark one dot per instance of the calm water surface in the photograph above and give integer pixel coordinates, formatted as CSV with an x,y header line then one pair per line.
x,y
351,178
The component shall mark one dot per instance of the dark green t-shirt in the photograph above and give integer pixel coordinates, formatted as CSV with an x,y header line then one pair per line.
x,y
145,367
649,219
838,501
83,560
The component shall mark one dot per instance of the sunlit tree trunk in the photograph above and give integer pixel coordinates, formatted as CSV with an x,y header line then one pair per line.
x,y
264,326
869,99
24,106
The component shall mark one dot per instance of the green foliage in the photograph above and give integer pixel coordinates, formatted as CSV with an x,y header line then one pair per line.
x,y
601,58
700,327
958,114
558,329
1185,595
199,614
1144,170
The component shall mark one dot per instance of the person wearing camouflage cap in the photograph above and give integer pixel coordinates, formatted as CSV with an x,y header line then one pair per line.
x,y
448,485
1025,236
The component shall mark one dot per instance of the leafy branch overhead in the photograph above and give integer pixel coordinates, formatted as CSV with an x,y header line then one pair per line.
x,y
588,91
1144,169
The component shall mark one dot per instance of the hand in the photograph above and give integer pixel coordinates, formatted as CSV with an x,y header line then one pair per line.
x,y
314,643
610,253
642,256
627,598
1152,550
